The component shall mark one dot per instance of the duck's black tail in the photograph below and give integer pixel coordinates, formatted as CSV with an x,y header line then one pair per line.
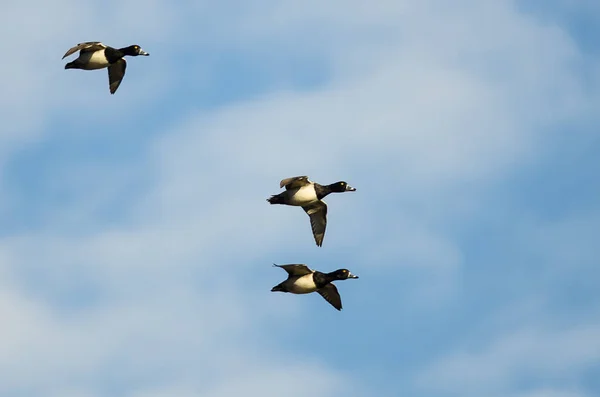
x,y
71,65
276,199
278,288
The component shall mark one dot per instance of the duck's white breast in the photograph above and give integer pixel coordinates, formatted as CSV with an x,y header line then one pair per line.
x,y
303,196
94,60
304,285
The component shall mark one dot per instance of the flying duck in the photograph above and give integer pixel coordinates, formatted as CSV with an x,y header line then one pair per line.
x,y
301,192
302,280
95,55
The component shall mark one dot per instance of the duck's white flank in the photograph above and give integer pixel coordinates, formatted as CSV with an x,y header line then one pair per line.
x,y
94,60
305,284
303,196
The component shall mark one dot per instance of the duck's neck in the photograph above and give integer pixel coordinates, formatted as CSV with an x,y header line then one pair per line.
x,y
113,55
322,191
322,279
125,51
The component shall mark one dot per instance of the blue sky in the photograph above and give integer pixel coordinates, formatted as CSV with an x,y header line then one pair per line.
x,y
136,243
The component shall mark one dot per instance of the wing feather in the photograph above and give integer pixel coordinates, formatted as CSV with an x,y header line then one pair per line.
x,y
294,182
89,46
116,72
318,220
331,295
295,270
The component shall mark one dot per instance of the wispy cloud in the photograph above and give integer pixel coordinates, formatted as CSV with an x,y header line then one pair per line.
x,y
514,357
136,242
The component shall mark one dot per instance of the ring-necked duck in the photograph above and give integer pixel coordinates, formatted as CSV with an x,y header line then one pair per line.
x,y
95,55
301,192
302,280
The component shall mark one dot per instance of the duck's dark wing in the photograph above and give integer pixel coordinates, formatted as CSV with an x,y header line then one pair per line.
x,y
116,72
331,295
295,270
294,182
318,219
89,46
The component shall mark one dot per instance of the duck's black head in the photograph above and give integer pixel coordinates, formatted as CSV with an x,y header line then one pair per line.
x,y
342,274
133,50
340,187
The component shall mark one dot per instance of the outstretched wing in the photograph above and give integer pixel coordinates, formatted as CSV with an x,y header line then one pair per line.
x,y
116,72
89,46
295,270
294,182
318,219
331,295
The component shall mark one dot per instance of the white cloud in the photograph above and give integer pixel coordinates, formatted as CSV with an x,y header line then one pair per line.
x,y
526,353
547,392
426,106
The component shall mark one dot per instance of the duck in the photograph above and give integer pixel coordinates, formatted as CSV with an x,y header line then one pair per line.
x,y
95,55
301,192
303,280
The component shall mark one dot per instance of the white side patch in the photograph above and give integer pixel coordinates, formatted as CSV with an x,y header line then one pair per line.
x,y
95,60
304,195
305,285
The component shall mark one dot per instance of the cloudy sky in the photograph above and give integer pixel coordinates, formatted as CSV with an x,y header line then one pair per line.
x,y
136,243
